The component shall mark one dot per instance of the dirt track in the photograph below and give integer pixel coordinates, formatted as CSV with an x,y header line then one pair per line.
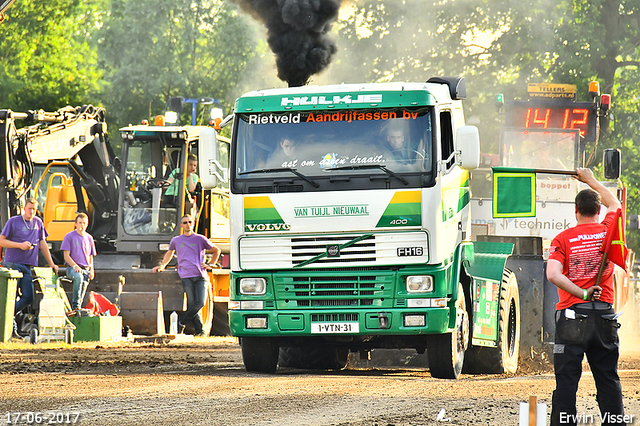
x,y
204,382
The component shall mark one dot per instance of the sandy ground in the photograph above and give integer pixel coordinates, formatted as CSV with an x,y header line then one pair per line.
x,y
203,382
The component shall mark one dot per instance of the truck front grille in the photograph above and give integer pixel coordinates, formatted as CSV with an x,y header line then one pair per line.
x,y
303,249
347,250
334,289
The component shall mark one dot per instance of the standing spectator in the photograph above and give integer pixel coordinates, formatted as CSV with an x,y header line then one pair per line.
x,y
585,318
21,238
79,248
190,249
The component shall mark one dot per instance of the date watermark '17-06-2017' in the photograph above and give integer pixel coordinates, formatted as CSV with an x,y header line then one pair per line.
x,y
41,417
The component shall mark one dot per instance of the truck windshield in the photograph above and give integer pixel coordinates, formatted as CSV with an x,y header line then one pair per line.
x,y
143,212
316,142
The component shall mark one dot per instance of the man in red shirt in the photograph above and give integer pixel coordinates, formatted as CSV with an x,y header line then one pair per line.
x,y
585,318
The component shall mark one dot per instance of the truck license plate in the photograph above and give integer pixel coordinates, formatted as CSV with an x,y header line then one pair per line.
x,y
335,327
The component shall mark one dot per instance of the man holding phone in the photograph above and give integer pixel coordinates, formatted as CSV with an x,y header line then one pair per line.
x,y
21,238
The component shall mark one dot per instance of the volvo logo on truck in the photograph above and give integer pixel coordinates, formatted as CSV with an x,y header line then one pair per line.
x,y
333,250
260,227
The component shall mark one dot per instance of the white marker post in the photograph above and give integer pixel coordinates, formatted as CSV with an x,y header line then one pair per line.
x,y
532,413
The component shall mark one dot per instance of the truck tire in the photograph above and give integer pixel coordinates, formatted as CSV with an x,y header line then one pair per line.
x,y
445,352
504,357
259,354
314,358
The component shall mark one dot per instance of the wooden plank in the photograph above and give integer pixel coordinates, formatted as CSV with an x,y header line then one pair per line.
x,y
533,410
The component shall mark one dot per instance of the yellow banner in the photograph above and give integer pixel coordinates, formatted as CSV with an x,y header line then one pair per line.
x,y
548,90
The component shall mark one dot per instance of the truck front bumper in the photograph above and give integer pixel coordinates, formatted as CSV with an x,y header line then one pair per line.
x,y
337,322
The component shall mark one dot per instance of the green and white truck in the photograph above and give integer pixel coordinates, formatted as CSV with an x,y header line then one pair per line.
x,y
350,231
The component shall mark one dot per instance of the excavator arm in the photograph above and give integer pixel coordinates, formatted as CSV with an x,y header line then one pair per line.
x,y
4,5
77,136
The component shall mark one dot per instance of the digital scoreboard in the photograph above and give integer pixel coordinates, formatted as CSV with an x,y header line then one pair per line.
x,y
553,114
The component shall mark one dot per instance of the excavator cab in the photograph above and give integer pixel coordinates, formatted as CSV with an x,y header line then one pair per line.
x,y
144,184
154,194
58,201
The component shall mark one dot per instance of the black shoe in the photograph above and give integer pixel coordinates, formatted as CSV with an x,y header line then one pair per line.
x,y
201,334
181,327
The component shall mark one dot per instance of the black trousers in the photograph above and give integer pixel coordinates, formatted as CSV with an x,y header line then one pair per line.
x,y
593,332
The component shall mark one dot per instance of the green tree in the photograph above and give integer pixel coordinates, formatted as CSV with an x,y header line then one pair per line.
x,y
46,61
159,49
409,41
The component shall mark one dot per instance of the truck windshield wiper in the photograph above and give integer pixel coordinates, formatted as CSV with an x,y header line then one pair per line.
x,y
283,169
373,166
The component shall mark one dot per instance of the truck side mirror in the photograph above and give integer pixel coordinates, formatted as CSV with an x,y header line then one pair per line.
x,y
468,145
210,170
612,163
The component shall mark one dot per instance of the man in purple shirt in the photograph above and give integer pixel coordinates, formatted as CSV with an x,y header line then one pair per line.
x,y
79,248
190,249
21,237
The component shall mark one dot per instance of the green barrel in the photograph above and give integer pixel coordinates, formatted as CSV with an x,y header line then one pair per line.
x,y
8,284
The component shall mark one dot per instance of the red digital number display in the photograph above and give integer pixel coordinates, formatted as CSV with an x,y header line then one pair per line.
x,y
580,116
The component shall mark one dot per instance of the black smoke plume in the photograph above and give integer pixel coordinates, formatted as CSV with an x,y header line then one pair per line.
x,y
297,34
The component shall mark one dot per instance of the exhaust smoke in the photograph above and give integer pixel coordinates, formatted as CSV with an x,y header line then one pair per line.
x,y
297,34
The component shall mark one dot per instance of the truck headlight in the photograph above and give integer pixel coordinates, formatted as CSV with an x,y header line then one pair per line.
x,y
253,285
419,283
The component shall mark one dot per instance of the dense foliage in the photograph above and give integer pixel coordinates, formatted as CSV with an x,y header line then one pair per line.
x,y
46,61
168,48
127,56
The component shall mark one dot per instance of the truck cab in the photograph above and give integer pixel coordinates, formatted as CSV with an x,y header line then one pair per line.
x,y
350,227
